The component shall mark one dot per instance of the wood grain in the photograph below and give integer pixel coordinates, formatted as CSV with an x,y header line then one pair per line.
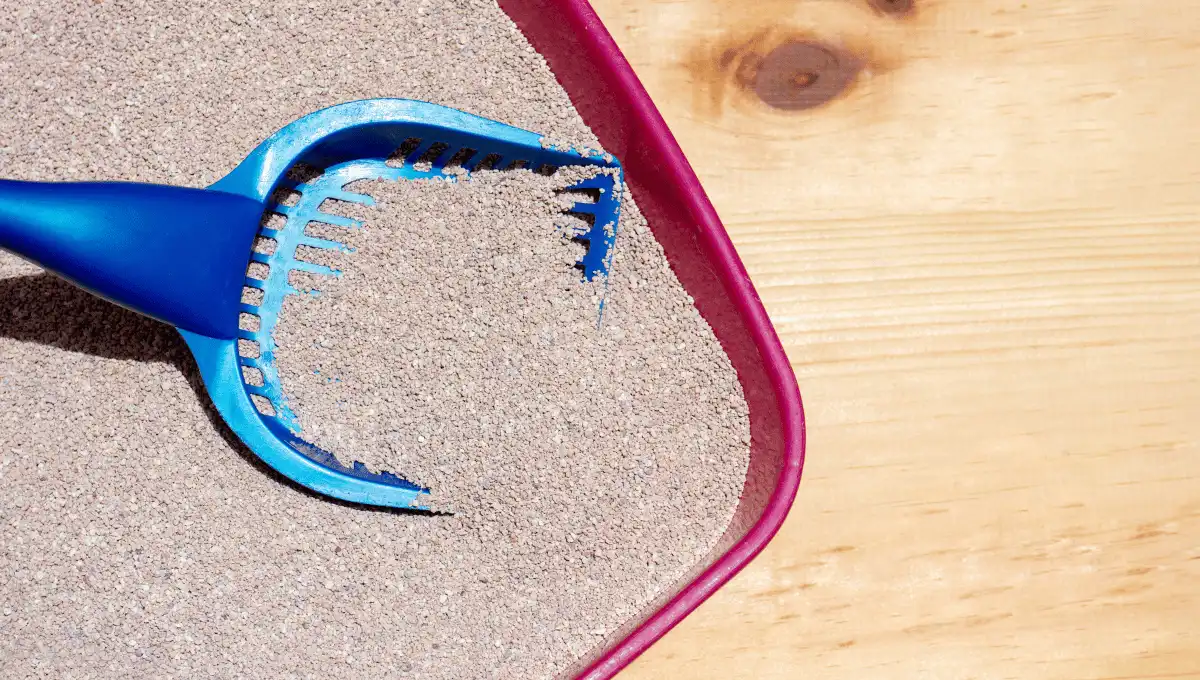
x,y
984,260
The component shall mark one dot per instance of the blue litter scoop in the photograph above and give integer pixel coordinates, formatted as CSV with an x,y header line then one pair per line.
x,y
185,256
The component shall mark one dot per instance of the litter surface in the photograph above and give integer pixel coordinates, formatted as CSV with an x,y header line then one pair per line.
x,y
139,539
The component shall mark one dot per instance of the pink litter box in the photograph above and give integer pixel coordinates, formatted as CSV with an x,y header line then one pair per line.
x,y
612,101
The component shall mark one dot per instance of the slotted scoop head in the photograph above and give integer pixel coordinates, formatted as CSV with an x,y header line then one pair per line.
x,y
180,255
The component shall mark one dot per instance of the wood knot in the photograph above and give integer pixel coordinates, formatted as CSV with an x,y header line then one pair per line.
x,y
799,75
894,7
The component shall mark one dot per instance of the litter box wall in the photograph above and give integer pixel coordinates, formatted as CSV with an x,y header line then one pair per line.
x,y
611,100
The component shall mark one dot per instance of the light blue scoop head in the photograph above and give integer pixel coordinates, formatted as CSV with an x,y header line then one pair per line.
x,y
180,255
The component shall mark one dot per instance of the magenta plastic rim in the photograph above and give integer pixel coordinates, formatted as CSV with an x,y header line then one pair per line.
x,y
613,102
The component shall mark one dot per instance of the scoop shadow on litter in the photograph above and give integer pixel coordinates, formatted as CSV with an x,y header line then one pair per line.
x,y
44,309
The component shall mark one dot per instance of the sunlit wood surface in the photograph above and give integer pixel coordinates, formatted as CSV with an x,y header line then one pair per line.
x,y
983,258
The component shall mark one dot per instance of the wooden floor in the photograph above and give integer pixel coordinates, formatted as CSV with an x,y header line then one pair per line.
x,y
983,257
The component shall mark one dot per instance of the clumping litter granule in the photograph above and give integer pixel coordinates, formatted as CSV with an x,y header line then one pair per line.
x,y
588,465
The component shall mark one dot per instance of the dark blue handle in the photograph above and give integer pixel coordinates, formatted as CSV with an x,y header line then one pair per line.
x,y
176,254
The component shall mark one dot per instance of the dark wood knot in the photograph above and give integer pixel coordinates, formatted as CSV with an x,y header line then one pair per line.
x,y
800,75
894,7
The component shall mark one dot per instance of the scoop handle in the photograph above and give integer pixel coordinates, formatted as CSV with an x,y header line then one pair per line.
x,y
176,254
